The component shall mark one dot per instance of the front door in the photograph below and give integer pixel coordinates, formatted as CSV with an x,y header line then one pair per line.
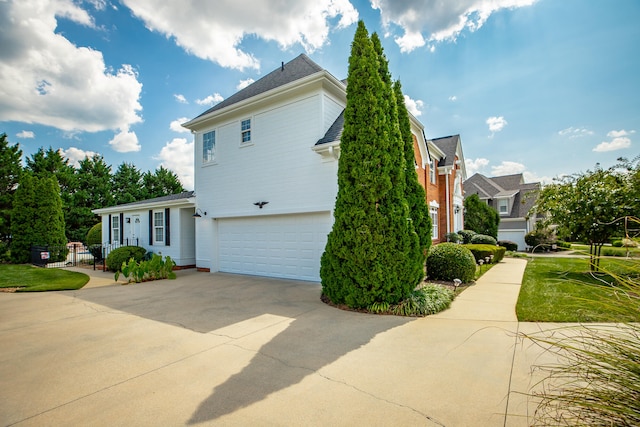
x,y
135,229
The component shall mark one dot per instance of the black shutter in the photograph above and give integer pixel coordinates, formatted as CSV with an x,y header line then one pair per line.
x,y
121,227
150,227
110,229
167,227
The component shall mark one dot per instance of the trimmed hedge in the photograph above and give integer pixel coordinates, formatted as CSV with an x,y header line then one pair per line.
x,y
448,261
480,252
122,255
466,235
563,245
511,246
483,239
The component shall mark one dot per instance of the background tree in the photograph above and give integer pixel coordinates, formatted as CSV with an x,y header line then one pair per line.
x,y
480,217
160,183
590,206
416,198
23,218
368,255
127,184
49,225
10,170
93,191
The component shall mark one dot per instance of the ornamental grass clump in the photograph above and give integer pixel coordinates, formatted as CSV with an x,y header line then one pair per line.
x,y
596,379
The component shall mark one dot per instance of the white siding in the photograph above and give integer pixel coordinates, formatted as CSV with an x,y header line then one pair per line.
x,y
279,167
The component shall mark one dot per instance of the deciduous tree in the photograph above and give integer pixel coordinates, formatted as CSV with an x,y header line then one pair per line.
x,y
480,217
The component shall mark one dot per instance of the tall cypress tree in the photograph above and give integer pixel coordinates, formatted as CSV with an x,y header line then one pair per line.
x,y
10,170
49,225
418,209
368,254
23,218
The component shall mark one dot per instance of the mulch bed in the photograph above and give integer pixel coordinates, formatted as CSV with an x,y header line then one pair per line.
x,y
11,290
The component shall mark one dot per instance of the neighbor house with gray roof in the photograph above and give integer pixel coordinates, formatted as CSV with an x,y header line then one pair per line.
x,y
512,198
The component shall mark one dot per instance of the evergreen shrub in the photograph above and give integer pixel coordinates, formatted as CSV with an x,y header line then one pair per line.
x,y
483,239
448,261
482,251
617,243
466,235
509,245
453,237
94,240
122,255
563,244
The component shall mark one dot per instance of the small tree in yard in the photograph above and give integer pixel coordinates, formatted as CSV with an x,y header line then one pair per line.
x,y
368,257
480,217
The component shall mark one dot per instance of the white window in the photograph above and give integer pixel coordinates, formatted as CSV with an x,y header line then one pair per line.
x,y
433,212
115,228
503,206
209,146
245,129
158,227
432,171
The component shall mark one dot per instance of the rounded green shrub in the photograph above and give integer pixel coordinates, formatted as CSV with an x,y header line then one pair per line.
x,y
617,243
123,254
483,239
94,236
466,235
508,244
453,237
448,261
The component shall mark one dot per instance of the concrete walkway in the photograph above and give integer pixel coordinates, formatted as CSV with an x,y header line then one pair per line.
x,y
219,349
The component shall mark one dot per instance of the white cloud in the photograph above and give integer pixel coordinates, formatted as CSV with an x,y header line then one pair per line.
x,y
244,83
180,98
620,133
453,98
46,79
215,30
572,132
414,106
210,100
496,124
507,168
125,142
532,177
620,140
441,20
176,125
177,155
26,134
475,165
619,143
75,155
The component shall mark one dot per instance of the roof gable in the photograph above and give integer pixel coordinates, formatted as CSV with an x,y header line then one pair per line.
x,y
448,145
298,68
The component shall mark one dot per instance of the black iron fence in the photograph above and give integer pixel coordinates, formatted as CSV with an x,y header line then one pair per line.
x,y
75,254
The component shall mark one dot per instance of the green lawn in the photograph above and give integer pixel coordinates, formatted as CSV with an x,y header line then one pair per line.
x,y
562,290
37,279
607,250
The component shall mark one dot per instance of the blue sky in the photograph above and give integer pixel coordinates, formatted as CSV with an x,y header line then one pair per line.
x,y
544,87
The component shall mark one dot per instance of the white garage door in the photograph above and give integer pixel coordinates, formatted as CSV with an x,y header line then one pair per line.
x,y
287,246
516,236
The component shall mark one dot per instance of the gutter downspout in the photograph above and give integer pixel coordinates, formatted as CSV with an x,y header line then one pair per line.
x,y
448,202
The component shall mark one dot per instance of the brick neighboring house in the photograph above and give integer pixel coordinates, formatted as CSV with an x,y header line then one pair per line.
x,y
512,198
266,162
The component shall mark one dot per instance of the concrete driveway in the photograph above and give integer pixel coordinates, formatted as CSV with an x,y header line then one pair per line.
x,y
232,350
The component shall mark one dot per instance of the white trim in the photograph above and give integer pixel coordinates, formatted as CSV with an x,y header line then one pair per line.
x,y
434,204
183,203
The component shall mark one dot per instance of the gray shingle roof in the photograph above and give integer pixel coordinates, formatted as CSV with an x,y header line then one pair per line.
x,y
334,132
171,197
448,145
300,67
505,186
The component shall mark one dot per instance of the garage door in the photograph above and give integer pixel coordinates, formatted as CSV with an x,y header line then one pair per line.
x,y
287,246
516,236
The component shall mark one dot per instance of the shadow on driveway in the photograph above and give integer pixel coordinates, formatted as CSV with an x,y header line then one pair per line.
x,y
316,336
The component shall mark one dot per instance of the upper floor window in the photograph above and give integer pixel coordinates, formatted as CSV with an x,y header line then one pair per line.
x,y
503,206
208,146
432,170
245,128
158,227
